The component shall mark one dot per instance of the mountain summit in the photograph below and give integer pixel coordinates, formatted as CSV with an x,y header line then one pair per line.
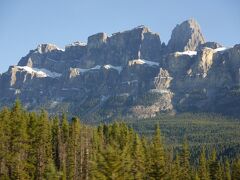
x,y
130,73
186,37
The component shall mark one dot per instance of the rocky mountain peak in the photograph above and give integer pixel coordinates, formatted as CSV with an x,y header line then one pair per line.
x,y
129,73
186,37
45,48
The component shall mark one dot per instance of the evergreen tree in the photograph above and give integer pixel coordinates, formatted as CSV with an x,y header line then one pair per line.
x,y
227,170
32,126
51,172
175,169
43,141
214,167
56,141
18,146
138,167
147,157
236,170
4,139
109,164
158,169
64,138
185,162
203,170
73,150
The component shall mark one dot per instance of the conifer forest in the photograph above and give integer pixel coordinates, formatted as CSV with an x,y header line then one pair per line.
x,y
39,146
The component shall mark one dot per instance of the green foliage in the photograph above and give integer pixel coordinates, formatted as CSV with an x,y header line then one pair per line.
x,y
36,146
158,169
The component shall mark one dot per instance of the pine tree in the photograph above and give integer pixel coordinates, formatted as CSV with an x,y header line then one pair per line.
x,y
18,145
56,141
126,163
32,126
4,139
236,170
73,150
51,172
64,138
108,165
147,157
138,167
196,177
185,162
158,170
203,170
175,169
214,167
85,153
227,170
44,150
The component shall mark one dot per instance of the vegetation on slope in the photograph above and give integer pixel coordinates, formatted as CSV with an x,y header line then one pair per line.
x,y
36,146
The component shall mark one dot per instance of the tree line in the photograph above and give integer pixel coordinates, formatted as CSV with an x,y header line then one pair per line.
x,y
37,146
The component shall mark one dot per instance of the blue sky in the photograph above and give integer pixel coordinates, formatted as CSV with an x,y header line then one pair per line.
x,y
26,23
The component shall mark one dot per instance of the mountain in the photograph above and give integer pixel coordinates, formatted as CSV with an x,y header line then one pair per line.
x,y
130,74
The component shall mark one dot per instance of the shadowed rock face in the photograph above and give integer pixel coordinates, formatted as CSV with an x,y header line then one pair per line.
x,y
186,37
130,74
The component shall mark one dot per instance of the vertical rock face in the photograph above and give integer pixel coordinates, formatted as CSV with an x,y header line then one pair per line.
x,y
129,73
186,37
95,41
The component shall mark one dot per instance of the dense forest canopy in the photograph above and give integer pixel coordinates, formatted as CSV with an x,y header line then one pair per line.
x,y
36,146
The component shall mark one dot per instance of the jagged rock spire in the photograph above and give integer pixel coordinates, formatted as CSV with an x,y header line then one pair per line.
x,y
186,37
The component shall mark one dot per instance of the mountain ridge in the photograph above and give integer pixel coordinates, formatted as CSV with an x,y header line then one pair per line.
x,y
130,73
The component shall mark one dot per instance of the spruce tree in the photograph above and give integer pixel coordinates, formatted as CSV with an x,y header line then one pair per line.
x,y
4,139
214,167
227,171
203,170
73,150
175,171
185,162
56,141
138,168
236,170
158,169
44,150
109,164
18,145
64,138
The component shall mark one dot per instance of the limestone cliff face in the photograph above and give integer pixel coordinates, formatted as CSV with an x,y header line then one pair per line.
x,y
130,74
186,37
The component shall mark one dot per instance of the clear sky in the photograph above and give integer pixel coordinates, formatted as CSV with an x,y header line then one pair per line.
x,y
26,23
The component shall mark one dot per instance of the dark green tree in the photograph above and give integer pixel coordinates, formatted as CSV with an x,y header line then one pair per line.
x,y
158,168
203,169
214,167
185,162
236,170
138,168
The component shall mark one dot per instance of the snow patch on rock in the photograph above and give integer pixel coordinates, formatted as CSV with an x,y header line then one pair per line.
x,y
142,61
109,66
39,72
189,53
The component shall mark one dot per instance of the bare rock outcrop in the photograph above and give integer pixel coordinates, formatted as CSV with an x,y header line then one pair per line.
x,y
186,37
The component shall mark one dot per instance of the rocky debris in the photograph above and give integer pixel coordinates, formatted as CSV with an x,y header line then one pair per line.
x,y
186,37
162,81
162,103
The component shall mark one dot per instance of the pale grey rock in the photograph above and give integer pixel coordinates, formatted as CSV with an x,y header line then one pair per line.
x,y
130,73
186,37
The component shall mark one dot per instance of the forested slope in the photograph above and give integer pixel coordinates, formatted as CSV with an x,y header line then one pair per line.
x,y
36,146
